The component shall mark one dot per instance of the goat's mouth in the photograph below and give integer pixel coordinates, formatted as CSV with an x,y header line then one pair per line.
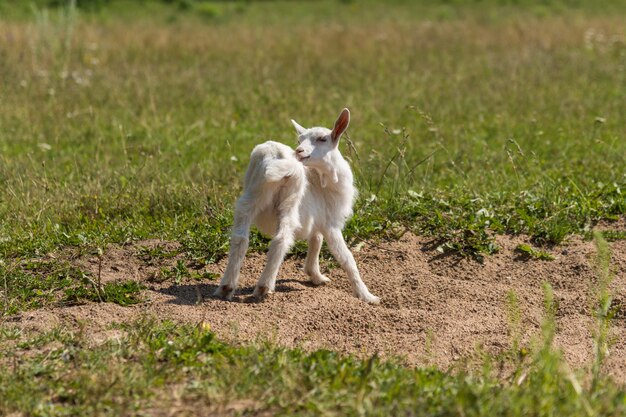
x,y
302,158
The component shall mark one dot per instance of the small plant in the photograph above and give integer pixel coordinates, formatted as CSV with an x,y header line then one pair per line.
x,y
123,293
178,273
515,326
604,310
10,333
154,255
200,275
532,253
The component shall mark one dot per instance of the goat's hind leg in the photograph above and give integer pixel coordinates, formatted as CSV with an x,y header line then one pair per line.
x,y
290,197
312,264
238,247
279,246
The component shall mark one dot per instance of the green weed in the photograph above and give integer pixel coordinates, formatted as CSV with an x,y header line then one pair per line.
x,y
154,255
532,253
123,293
603,305
178,273
33,284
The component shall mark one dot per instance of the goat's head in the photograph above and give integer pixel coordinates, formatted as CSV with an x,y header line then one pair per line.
x,y
317,144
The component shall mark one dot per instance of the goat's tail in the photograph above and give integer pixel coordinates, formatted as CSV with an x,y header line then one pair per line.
x,y
279,169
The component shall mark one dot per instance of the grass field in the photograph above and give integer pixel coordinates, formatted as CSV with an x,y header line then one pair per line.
x,y
121,122
160,368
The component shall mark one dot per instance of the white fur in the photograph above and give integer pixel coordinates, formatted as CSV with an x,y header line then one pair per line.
x,y
303,194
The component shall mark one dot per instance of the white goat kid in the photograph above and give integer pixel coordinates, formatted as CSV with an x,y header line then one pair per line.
x,y
303,194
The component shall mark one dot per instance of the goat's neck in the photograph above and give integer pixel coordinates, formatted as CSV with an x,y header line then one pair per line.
x,y
335,174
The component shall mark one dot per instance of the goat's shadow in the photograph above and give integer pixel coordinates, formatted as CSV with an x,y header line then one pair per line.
x,y
194,294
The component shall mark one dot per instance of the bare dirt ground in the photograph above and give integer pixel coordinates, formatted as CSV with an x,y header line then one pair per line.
x,y
436,309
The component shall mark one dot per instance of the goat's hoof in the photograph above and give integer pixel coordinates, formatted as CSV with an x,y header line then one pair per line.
x,y
224,291
369,298
261,292
319,280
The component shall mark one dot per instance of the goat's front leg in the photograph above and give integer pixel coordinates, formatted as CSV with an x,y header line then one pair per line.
x,y
342,254
279,246
312,264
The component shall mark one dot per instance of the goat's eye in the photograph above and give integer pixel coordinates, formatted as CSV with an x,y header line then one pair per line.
x,y
322,139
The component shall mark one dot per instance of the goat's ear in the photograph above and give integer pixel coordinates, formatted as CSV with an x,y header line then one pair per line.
x,y
340,125
299,128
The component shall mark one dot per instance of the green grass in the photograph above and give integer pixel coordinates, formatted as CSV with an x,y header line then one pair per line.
x,y
495,120
165,366
35,284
